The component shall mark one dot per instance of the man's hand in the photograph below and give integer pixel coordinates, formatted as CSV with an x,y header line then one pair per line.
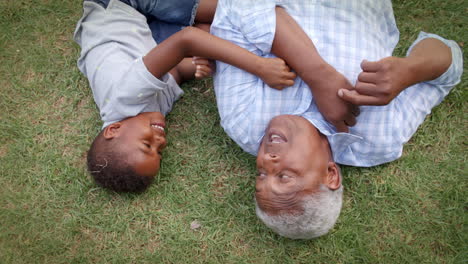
x,y
379,82
334,109
275,73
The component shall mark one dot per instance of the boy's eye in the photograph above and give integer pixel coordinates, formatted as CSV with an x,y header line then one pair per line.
x,y
147,145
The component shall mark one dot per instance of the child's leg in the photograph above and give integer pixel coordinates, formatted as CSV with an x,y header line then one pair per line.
x,y
161,29
184,71
180,12
203,26
206,11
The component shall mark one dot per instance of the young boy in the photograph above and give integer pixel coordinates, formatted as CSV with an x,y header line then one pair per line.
x,y
135,82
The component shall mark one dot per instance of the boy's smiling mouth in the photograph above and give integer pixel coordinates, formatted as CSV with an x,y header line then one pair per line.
x,y
158,126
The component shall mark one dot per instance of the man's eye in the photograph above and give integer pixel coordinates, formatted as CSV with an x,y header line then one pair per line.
x,y
147,145
261,175
284,177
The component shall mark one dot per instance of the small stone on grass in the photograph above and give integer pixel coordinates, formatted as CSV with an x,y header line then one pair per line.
x,y
194,225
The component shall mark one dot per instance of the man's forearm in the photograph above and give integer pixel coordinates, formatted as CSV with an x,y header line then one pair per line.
x,y
293,45
381,81
428,60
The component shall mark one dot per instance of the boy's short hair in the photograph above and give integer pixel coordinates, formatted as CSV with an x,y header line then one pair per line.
x,y
110,168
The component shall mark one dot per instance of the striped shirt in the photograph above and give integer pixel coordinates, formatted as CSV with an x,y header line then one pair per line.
x,y
344,33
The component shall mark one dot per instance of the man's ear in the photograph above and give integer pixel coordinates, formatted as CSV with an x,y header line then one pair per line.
x,y
333,176
111,131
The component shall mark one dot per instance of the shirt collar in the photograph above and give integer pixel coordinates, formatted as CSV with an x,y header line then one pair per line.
x,y
338,141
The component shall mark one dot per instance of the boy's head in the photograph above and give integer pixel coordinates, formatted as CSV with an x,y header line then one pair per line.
x,y
126,155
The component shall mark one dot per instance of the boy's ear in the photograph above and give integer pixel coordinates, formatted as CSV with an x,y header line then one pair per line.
x,y
112,130
333,176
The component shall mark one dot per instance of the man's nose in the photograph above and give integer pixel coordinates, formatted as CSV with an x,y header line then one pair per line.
x,y
274,157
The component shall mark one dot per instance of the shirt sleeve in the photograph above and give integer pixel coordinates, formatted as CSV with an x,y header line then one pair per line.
x,y
385,129
258,25
413,104
250,24
137,91
452,76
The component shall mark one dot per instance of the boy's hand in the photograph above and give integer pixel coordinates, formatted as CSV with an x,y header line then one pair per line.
x,y
334,109
275,73
204,67
379,82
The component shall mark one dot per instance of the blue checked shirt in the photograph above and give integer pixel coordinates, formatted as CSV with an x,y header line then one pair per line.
x,y
344,33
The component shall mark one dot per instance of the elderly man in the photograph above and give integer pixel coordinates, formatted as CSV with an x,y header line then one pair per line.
x,y
300,133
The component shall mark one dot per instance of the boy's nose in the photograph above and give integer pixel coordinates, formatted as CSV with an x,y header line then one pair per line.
x,y
160,140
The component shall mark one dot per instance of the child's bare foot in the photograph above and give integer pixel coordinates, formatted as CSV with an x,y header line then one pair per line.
x,y
192,68
204,67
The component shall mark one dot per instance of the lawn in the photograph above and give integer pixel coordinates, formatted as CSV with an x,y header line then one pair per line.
x,y
410,211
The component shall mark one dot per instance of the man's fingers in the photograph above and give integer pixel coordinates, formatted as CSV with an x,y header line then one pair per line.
x,y
350,120
370,66
367,77
365,88
283,84
355,111
355,98
278,87
341,126
291,76
288,83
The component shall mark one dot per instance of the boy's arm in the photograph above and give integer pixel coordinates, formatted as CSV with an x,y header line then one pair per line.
x,y
381,81
195,42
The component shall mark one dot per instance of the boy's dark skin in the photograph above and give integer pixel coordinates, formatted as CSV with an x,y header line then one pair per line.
x,y
142,138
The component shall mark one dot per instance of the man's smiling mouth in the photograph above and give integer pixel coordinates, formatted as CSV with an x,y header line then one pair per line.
x,y
276,137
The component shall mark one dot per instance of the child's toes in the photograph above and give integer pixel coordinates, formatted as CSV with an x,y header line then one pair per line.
x,y
203,71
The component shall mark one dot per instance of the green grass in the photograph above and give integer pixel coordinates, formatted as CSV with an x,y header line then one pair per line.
x,y
410,211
